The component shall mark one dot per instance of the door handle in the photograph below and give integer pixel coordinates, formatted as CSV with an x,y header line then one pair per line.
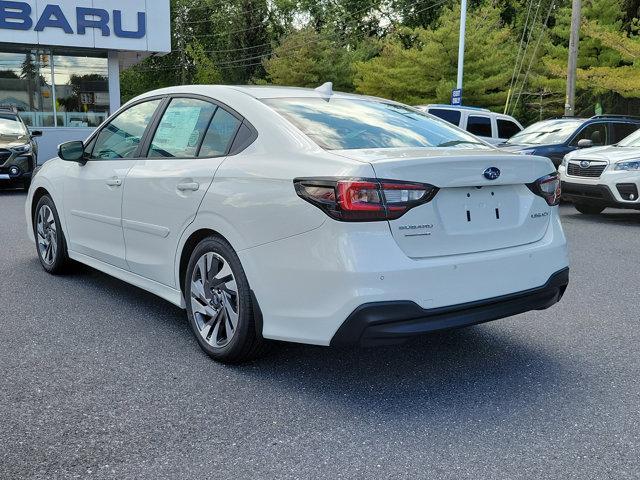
x,y
193,186
114,182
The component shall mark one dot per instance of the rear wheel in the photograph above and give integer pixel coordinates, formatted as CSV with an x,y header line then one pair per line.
x,y
588,209
219,303
50,242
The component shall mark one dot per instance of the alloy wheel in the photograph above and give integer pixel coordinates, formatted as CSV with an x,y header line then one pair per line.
x,y
214,300
47,235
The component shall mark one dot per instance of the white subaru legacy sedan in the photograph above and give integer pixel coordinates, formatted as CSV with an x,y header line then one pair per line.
x,y
303,215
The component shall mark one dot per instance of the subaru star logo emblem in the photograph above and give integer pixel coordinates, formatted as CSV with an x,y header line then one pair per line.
x,y
585,164
492,173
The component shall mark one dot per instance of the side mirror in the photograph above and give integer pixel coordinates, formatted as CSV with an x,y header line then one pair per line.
x,y
72,152
36,133
585,143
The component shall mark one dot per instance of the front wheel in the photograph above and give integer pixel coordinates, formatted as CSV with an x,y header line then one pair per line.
x,y
589,209
52,249
219,303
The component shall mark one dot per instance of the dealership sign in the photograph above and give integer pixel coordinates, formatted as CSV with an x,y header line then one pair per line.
x,y
108,24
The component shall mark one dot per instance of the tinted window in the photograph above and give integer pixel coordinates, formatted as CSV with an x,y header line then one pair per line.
x,y
352,123
548,132
182,128
622,131
451,116
220,134
596,132
121,137
244,138
507,128
480,126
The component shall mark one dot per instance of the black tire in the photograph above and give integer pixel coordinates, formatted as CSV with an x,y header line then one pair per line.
x,y
246,343
588,209
58,261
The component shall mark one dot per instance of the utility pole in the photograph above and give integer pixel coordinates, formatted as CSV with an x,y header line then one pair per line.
x,y
574,40
463,32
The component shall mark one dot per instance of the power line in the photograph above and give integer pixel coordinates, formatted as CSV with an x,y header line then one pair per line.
x,y
535,52
515,66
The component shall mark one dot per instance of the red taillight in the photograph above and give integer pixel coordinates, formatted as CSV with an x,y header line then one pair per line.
x,y
548,187
362,200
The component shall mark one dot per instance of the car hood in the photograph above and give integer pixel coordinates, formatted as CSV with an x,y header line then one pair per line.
x,y
10,141
609,154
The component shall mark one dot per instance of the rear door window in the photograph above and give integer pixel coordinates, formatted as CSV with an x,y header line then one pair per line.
x,y
620,131
507,128
182,128
451,116
479,125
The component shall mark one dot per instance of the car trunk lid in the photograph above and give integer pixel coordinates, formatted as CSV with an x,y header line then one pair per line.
x,y
470,213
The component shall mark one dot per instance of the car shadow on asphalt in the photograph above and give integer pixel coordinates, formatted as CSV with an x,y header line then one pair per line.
x,y
458,369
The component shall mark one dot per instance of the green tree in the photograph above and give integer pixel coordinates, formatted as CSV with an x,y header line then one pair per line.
x,y
420,65
308,59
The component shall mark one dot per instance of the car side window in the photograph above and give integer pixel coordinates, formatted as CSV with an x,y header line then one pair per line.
x,y
220,134
182,128
622,131
121,137
479,125
507,128
596,132
451,116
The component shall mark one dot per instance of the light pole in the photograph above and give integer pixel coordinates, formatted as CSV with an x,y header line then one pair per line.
x,y
463,31
574,40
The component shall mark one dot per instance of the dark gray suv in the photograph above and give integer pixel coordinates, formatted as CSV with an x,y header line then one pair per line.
x,y
18,149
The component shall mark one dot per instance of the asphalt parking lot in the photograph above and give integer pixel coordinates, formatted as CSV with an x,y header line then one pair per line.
x,y
102,380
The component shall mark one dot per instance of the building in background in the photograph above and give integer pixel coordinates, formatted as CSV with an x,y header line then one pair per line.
x,y
60,60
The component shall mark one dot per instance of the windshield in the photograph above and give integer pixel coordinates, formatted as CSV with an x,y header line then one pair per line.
x,y
632,140
346,124
11,125
549,132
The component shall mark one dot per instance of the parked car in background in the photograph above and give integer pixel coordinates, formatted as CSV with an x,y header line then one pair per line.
x,y
303,215
597,178
556,138
18,149
491,127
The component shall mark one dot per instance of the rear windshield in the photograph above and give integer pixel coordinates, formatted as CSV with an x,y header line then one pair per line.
x,y
347,124
549,132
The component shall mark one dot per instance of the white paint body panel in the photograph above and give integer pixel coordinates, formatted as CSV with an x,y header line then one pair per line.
x,y
308,271
93,209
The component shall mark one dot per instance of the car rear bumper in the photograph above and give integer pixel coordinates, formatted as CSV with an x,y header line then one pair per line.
x,y
308,285
395,322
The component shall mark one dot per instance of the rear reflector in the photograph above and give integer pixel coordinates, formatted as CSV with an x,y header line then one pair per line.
x,y
363,199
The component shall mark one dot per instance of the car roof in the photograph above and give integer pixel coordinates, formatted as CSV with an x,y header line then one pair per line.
x,y
458,107
256,91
